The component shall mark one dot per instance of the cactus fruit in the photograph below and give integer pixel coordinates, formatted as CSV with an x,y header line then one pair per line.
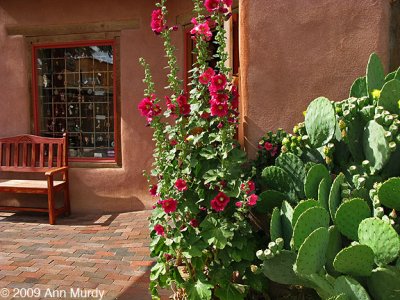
x,y
307,222
376,148
355,260
381,238
389,193
335,194
312,253
375,77
320,121
349,215
313,179
389,96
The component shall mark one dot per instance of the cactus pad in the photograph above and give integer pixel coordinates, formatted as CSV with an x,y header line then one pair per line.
x,y
302,207
359,88
390,95
275,228
334,246
323,193
335,194
375,74
278,179
268,200
280,268
312,253
384,283
307,222
349,215
381,237
351,288
294,167
287,229
376,147
313,179
389,193
355,260
320,121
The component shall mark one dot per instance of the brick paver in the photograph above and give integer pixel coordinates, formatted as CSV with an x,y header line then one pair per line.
x,y
87,254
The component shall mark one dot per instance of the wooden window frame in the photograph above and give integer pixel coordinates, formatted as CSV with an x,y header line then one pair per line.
x,y
63,41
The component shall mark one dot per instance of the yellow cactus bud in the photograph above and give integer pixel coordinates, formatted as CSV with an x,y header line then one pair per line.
x,y
376,94
304,113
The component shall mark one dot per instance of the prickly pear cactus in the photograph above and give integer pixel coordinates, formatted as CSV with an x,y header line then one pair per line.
x,y
355,260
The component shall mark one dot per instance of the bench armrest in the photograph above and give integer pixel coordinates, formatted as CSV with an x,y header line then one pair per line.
x,y
56,170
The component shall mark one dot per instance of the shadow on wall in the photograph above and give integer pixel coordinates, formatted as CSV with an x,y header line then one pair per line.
x,y
252,132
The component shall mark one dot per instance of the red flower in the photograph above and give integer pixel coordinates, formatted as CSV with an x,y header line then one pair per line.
x,y
218,83
159,230
219,109
268,146
205,115
235,98
205,78
169,205
153,190
211,5
170,106
194,223
220,202
252,200
157,21
145,106
228,2
182,99
219,98
184,109
173,142
251,185
168,256
220,125
238,204
274,151
181,185
202,29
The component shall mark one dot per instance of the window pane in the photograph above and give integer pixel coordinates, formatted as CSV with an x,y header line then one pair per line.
x,y
75,95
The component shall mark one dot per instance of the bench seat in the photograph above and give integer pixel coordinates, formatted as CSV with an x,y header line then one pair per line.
x,y
28,186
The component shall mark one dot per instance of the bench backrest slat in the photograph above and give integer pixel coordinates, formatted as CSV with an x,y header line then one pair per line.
x,y
29,153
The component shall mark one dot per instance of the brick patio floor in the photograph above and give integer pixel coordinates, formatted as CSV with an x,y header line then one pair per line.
x,y
105,252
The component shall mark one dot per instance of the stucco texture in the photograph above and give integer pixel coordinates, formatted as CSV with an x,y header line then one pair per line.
x,y
92,189
295,51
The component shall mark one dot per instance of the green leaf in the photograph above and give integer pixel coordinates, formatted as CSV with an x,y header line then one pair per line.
x,y
199,290
231,291
216,233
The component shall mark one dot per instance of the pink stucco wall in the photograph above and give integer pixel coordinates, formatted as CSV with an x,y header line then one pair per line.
x,y
295,51
106,189
291,52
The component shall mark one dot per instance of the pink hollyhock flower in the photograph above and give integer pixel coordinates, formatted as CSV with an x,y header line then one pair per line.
x,y
193,21
184,109
145,106
205,78
251,185
170,105
238,204
168,256
220,125
252,200
227,2
202,208
159,230
211,5
219,109
181,185
274,151
169,205
202,29
156,110
173,142
153,190
220,202
268,146
218,83
205,115
182,99
219,98
194,223
157,21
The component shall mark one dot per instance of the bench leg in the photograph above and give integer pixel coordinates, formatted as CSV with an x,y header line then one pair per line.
x,y
50,199
67,204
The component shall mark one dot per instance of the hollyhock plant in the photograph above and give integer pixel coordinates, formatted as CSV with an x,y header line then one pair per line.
x,y
194,137
181,185
252,200
153,190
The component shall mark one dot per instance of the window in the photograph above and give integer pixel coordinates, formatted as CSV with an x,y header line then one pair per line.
x,y
74,92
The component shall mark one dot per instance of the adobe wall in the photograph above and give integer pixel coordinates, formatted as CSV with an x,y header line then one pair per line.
x,y
92,189
295,51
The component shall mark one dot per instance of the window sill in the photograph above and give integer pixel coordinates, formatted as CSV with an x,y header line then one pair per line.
x,y
94,165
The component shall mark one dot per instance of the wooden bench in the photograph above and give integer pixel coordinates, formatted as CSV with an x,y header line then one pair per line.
x,y
35,154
